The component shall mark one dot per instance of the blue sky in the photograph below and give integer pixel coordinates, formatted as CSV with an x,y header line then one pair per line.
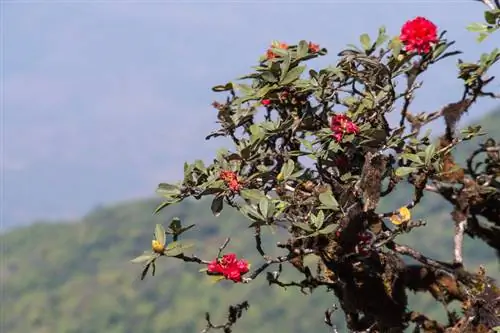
x,y
104,99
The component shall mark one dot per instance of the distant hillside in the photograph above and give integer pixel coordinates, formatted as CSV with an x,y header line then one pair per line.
x,y
72,278
76,277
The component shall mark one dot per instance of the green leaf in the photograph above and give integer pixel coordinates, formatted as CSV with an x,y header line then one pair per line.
x,y
412,157
439,50
491,16
198,164
307,144
285,65
314,234
225,87
168,190
252,213
160,234
264,206
327,199
477,27
429,153
287,169
188,169
269,125
175,249
280,52
328,229
403,171
175,224
303,226
303,49
293,75
262,92
395,45
333,146
482,36
161,207
217,205
318,219
147,256
382,36
314,75
244,88
365,41
268,76
256,133
252,194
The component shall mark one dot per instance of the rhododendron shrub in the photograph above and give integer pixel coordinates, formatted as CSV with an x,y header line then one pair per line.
x,y
314,151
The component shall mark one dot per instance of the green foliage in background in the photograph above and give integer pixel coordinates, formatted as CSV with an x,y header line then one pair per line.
x,y
76,277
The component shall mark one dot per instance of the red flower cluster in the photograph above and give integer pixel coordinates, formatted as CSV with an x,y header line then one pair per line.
x,y
418,35
266,102
231,180
313,48
341,124
229,267
277,45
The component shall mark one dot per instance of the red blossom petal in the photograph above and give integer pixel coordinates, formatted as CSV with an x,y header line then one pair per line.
x,y
266,102
228,259
338,136
270,55
234,185
214,267
242,266
313,48
352,128
418,35
233,275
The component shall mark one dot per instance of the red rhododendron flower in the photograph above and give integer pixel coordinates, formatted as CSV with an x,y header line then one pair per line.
x,y
313,48
231,180
228,266
266,101
277,45
340,125
418,35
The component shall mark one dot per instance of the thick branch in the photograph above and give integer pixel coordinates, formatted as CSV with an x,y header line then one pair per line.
x,y
458,240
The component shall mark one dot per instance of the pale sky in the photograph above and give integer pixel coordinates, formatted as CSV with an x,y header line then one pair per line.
x,y
104,99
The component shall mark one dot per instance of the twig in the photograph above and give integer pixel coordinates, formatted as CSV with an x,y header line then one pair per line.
x,y
192,259
258,241
278,260
234,313
408,251
223,246
328,317
408,97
